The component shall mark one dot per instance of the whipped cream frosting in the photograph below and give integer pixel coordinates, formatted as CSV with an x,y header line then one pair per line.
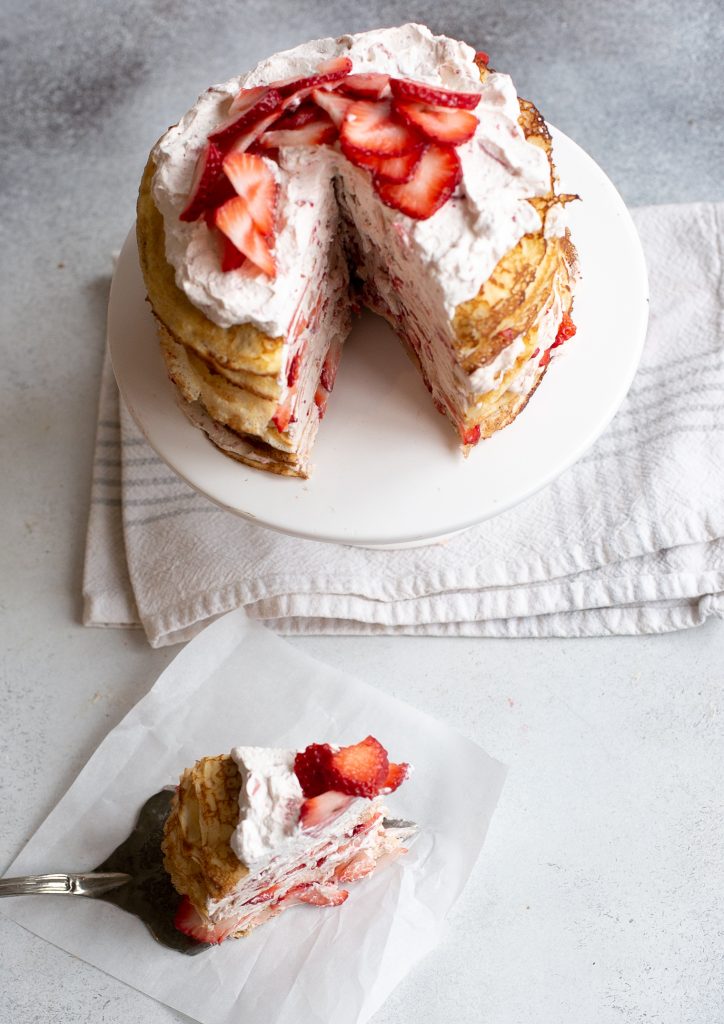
x,y
269,804
457,247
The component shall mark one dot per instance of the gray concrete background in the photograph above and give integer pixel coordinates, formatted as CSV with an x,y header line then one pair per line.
x,y
598,896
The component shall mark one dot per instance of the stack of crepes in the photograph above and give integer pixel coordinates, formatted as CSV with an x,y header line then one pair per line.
x,y
392,168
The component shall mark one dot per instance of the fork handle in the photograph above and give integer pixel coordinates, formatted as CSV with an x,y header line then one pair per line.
x,y
79,884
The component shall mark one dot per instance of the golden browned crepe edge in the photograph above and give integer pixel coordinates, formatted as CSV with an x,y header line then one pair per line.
x,y
204,814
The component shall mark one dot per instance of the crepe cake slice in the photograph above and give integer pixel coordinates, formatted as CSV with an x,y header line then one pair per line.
x,y
257,831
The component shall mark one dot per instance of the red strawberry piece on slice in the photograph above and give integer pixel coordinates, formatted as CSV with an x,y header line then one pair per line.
x,y
231,258
361,864
470,435
321,396
208,177
360,770
329,71
316,133
245,99
481,57
254,181
441,124
434,180
320,895
191,923
406,89
311,766
234,220
367,86
395,777
320,810
336,106
240,123
373,127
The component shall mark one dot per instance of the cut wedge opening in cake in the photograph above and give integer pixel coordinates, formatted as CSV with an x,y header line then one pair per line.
x,y
260,830
391,169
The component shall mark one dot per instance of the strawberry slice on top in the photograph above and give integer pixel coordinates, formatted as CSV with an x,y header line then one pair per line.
x,y
359,770
329,71
234,220
448,125
334,104
434,180
265,104
373,127
314,133
254,181
366,86
407,89
206,184
391,168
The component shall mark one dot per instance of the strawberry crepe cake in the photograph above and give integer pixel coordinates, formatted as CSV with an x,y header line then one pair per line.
x,y
392,169
260,830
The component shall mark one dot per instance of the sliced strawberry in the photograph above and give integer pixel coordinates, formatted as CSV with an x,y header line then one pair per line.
x,y
311,766
283,417
245,99
392,168
435,178
359,770
395,776
471,435
319,810
313,134
263,897
366,86
566,330
208,179
191,923
239,123
407,89
336,106
254,181
235,221
373,127
361,864
441,124
320,895
481,57
298,116
330,71
231,258
249,140
330,365
321,397
294,367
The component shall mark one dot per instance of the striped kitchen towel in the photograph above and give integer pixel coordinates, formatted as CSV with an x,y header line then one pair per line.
x,y
629,540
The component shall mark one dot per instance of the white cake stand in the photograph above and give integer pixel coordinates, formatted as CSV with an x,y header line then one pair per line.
x,y
387,469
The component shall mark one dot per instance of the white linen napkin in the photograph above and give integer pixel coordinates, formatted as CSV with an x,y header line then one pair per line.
x,y
629,540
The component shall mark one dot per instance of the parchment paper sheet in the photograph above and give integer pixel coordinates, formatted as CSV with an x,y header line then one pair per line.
x,y
238,683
